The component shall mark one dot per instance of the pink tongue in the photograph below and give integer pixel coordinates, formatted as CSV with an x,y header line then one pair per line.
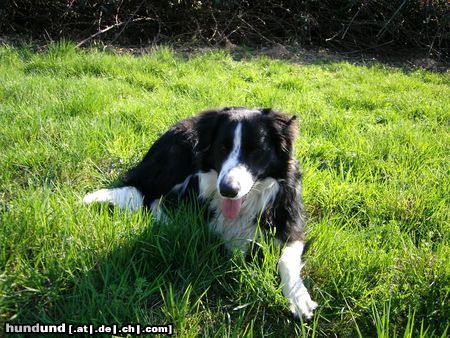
x,y
231,208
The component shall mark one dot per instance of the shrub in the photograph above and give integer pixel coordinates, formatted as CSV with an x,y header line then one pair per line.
x,y
351,24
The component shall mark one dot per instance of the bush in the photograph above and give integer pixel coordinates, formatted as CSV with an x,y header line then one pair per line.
x,y
349,23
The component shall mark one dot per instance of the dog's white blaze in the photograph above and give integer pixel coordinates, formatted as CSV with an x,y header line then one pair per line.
x,y
235,171
294,290
125,197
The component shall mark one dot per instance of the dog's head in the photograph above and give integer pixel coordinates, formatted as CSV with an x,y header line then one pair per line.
x,y
244,146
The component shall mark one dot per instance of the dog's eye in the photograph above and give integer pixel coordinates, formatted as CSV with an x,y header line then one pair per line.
x,y
254,151
257,152
224,149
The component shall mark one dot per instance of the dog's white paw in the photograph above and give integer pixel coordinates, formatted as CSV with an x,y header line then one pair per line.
x,y
102,195
124,197
300,301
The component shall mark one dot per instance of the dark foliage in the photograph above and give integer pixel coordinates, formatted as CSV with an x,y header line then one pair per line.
x,y
352,24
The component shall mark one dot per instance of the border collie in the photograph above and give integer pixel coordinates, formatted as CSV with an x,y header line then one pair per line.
x,y
240,161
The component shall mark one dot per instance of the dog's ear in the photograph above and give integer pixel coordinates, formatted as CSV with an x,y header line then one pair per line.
x,y
284,129
206,127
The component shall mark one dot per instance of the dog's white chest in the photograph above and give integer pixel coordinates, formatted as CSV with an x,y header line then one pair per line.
x,y
237,233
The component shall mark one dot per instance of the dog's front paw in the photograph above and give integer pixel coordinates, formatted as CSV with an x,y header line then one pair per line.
x,y
300,301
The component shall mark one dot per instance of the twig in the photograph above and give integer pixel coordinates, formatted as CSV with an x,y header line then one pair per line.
x,y
262,36
128,21
381,32
118,10
216,28
368,48
332,38
104,30
353,19
222,33
117,24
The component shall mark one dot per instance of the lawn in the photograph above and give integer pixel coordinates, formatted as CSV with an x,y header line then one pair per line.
x,y
374,145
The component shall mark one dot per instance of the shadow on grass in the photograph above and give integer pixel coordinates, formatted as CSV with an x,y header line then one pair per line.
x,y
178,273
153,278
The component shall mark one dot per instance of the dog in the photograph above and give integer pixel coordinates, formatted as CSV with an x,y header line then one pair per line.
x,y
240,162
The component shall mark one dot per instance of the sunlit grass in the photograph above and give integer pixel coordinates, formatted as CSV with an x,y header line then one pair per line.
x,y
374,148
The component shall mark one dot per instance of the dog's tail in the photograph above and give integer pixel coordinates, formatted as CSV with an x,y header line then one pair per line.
x,y
125,198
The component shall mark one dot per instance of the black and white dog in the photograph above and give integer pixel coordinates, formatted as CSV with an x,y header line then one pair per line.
x,y
240,161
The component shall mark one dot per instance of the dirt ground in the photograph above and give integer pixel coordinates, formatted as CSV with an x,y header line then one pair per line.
x,y
407,60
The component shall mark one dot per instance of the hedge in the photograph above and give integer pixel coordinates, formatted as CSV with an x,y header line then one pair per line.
x,y
351,24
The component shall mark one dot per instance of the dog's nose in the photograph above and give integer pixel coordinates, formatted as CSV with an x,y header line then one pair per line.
x,y
228,189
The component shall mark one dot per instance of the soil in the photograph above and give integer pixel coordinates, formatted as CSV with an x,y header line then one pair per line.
x,y
407,60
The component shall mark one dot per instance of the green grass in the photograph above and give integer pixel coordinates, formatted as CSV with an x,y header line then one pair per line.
x,y
374,147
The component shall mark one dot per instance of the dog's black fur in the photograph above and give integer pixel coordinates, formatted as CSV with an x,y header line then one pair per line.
x,y
242,157
201,144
